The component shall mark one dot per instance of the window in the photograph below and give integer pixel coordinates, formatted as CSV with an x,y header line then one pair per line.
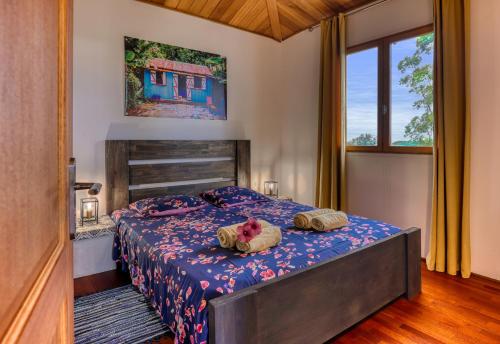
x,y
197,82
390,94
158,78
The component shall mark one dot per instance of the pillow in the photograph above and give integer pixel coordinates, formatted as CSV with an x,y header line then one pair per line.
x,y
165,204
230,196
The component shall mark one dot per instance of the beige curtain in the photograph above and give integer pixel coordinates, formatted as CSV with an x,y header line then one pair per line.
x,y
450,233
331,180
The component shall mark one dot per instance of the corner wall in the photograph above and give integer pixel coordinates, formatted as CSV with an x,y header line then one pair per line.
x,y
396,188
485,118
300,80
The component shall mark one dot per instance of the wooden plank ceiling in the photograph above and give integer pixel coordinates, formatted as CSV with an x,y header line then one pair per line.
x,y
277,19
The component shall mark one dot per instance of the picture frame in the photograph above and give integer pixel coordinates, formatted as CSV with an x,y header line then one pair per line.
x,y
163,80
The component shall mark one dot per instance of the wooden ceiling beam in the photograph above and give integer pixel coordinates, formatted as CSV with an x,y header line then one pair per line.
x,y
311,8
171,3
209,8
243,12
274,19
297,16
184,5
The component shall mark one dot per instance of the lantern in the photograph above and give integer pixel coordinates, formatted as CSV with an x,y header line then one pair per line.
x,y
89,211
271,188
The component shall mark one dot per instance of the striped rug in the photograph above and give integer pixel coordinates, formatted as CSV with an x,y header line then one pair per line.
x,y
120,315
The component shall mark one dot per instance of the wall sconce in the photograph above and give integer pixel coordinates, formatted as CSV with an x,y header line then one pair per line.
x,y
271,188
89,210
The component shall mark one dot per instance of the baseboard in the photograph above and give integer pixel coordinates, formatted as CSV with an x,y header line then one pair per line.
x,y
491,279
475,275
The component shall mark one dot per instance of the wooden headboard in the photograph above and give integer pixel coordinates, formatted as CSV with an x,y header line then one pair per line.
x,y
145,168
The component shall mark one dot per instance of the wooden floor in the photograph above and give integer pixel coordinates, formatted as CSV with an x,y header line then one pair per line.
x,y
449,310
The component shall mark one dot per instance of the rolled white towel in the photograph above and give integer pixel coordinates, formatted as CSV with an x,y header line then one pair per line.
x,y
227,235
329,221
303,219
269,237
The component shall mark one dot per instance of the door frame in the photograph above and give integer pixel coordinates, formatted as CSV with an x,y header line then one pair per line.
x,y
63,249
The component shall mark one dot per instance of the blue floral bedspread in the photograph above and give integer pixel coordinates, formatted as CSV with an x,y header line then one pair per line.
x,y
177,263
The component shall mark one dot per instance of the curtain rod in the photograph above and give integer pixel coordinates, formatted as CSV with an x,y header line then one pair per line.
x,y
355,10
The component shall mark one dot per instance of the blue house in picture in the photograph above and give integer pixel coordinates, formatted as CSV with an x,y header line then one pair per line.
x,y
180,82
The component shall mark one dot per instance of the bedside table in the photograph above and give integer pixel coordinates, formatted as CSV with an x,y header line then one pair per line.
x,y
105,226
93,247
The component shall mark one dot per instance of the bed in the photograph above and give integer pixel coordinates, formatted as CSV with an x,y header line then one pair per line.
x,y
308,289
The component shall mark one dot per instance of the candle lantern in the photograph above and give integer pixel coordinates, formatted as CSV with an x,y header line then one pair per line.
x,y
271,188
89,211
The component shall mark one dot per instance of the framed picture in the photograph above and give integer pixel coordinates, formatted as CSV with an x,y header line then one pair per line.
x,y
162,80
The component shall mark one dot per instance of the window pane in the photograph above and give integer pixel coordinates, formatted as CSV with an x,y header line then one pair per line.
x,y
197,82
412,114
362,98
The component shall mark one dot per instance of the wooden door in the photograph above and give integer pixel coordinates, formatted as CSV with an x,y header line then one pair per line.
x,y
36,285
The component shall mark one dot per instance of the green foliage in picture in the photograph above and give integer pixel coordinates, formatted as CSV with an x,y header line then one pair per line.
x,y
138,52
134,90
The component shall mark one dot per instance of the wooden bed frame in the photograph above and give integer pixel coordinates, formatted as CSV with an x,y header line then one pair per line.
x,y
307,306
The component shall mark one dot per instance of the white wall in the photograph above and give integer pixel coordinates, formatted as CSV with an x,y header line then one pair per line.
x,y
485,116
253,84
388,18
92,256
396,188
299,127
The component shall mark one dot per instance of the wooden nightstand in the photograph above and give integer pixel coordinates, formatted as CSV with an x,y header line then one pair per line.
x,y
93,247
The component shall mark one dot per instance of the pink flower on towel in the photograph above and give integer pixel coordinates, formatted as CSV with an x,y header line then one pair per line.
x,y
249,230
255,226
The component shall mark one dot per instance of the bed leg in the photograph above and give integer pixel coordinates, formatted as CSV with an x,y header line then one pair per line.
x,y
233,319
413,273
